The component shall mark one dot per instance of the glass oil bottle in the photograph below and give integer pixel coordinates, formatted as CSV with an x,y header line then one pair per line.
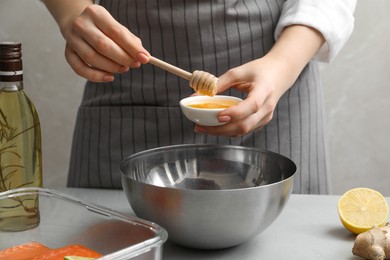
x,y
20,144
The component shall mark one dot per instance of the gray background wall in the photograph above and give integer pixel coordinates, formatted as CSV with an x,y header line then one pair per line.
x,y
357,92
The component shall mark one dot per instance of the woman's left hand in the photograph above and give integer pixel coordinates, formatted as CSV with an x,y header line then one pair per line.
x,y
265,81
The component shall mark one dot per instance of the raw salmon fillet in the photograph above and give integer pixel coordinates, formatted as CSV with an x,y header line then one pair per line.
x,y
23,251
37,251
71,250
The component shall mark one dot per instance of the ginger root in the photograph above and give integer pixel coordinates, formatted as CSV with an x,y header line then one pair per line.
x,y
373,244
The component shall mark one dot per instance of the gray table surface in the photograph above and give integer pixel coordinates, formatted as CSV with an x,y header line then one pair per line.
x,y
308,228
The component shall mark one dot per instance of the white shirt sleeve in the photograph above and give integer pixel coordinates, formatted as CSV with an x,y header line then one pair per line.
x,y
332,18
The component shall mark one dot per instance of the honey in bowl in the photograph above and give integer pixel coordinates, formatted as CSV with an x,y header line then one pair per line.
x,y
217,104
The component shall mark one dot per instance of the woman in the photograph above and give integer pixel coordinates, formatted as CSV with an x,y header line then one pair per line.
x,y
262,50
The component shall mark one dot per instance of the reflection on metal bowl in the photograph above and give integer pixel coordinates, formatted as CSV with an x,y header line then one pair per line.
x,y
208,196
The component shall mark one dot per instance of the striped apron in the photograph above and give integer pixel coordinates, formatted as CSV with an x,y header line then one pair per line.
x,y
140,109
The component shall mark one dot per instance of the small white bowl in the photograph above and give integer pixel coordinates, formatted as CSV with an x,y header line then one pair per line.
x,y
206,116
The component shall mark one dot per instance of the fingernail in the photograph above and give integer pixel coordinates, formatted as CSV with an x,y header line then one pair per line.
x,y
224,119
108,78
199,129
136,64
142,57
123,69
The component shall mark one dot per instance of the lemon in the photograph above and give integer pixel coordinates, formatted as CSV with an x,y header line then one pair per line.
x,y
362,208
77,258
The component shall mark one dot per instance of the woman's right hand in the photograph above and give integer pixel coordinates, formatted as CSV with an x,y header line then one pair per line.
x,y
97,46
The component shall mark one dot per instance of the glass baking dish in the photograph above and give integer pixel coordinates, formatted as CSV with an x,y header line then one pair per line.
x,y
66,220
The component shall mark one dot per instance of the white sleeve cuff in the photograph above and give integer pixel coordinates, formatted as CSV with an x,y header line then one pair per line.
x,y
332,18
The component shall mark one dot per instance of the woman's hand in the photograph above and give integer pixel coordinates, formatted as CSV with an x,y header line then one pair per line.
x,y
265,80
97,46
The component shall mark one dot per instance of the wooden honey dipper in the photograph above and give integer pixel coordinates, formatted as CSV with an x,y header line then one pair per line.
x,y
202,82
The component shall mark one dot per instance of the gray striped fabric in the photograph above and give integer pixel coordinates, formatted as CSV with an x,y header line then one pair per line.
x,y
140,109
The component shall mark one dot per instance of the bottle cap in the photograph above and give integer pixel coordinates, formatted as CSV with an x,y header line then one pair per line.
x,y
11,68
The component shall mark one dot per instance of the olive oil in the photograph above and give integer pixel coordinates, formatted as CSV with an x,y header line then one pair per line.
x,y
20,144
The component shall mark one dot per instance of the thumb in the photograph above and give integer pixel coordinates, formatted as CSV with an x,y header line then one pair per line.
x,y
230,79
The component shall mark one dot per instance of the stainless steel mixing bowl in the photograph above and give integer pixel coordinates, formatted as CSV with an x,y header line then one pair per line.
x,y
208,196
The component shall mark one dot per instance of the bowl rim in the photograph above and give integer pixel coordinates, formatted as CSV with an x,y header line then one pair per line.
x,y
200,97
181,146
